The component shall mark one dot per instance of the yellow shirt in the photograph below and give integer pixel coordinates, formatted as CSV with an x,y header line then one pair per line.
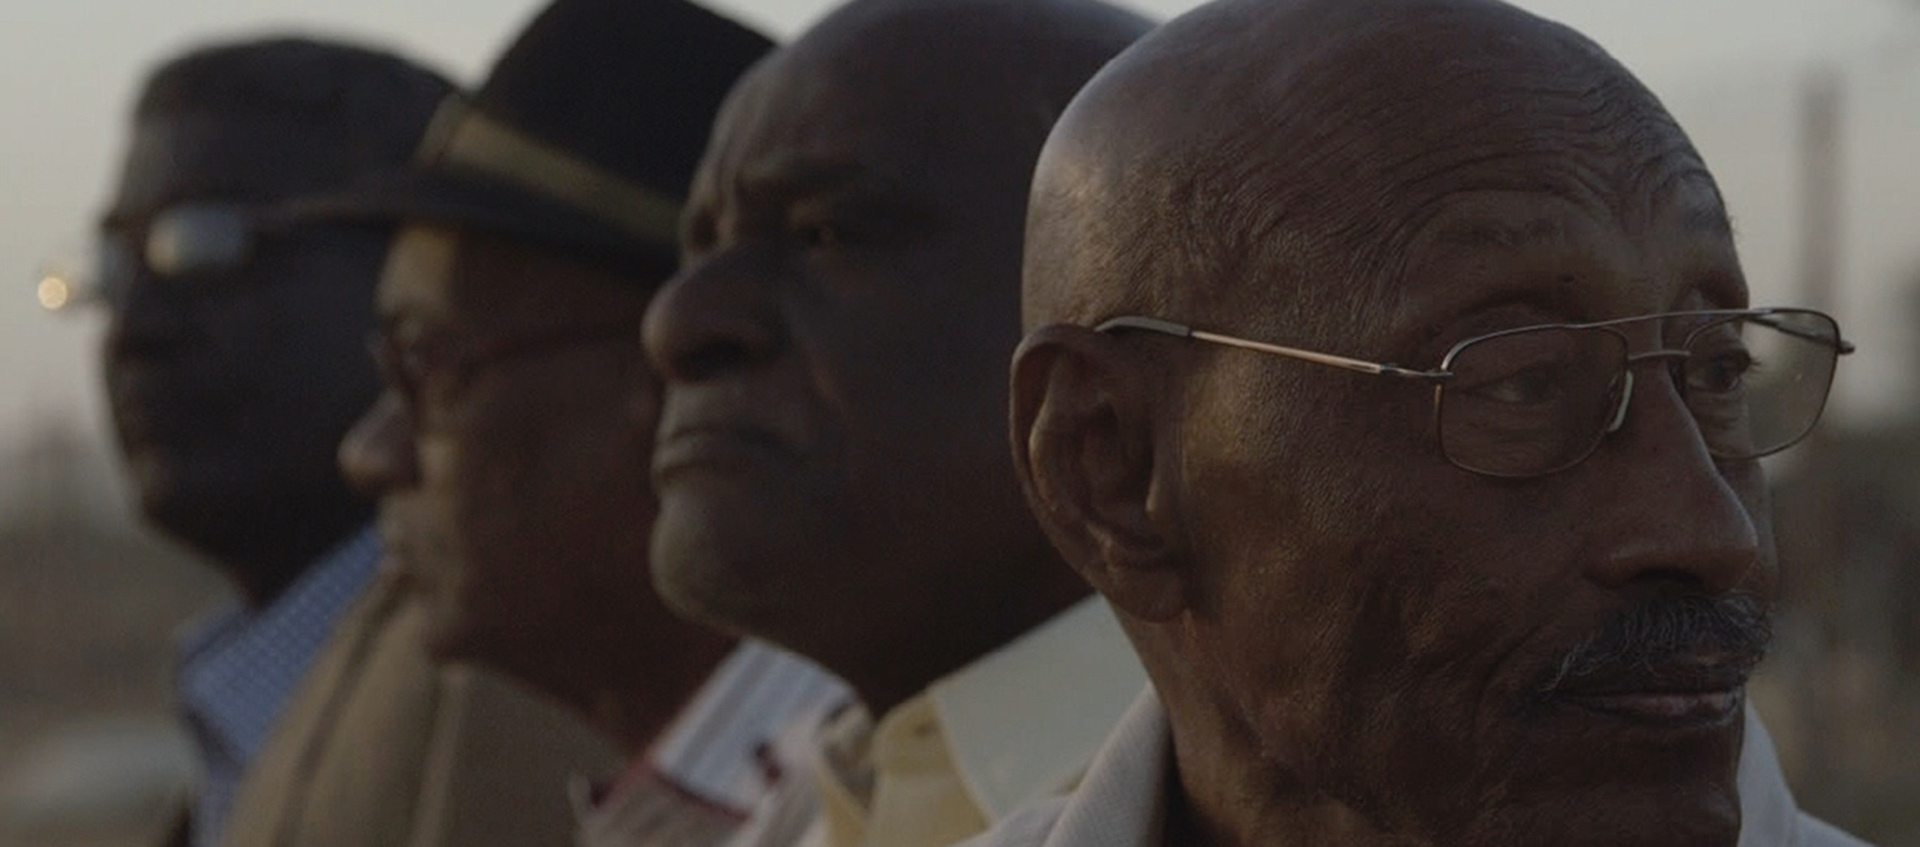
x,y
1017,725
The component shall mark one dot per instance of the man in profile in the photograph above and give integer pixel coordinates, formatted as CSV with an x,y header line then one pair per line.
x,y
1390,370
831,460
234,361
510,448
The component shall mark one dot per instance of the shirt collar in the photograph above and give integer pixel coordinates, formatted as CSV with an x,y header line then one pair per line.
x,y
1024,721
236,671
843,774
1122,802
1768,815
719,747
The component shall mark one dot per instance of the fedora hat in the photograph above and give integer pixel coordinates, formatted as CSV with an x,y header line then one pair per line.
x,y
583,138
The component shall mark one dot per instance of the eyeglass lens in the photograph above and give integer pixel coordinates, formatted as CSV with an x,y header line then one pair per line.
x,y
409,365
193,239
179,243
1540,400
1530,402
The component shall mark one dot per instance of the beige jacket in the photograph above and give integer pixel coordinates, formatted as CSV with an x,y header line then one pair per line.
x,y
381,748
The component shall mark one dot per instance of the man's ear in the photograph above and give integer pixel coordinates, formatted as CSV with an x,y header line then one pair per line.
x,y
1091,455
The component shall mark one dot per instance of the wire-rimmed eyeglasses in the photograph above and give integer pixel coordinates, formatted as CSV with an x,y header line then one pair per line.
x,y
1536,400
410,365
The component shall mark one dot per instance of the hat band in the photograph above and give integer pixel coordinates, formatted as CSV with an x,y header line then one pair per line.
x,y
463,136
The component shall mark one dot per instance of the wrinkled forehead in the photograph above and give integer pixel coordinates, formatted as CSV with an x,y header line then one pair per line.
x,y
1486,143
1265,164
1583,206
1571,255
203,156
1576,234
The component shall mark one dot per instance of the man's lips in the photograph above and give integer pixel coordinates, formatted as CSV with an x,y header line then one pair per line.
x,y
1680,694
714,446
1669,709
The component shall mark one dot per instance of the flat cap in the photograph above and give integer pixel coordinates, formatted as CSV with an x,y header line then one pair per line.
x,y
583,138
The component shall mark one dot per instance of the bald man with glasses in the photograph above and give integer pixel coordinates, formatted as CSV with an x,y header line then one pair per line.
x,y
1390,370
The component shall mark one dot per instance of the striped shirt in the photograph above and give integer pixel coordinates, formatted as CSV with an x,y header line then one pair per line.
x,y
715,763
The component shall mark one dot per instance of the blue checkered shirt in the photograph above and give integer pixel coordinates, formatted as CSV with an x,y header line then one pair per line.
x,y
235,671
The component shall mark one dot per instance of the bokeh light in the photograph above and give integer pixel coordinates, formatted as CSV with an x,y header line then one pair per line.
x,y
54,292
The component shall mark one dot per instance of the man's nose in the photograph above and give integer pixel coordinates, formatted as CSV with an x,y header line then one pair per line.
x,y
719,314
379,453
1675,513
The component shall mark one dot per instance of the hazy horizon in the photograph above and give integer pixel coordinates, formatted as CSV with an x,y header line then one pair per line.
x,y
1729,69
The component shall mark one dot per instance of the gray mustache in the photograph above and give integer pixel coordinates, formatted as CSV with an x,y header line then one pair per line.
x,y
1663,641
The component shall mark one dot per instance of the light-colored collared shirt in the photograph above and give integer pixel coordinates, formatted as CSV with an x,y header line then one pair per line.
x,y
717,761
1015,726
1122,801
235,671
719,746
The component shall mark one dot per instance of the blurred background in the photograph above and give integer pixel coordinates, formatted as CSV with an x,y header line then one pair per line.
x,y
1808,112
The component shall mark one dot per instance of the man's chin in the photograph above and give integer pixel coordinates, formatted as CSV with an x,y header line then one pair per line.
x,y
728,579
1619,816
1612,780
169,491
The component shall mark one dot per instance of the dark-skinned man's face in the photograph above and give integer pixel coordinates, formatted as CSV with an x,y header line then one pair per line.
x,y
1359,641
1393,630
230,387
511,483
834,351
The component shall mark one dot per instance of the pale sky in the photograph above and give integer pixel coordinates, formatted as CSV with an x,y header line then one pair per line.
x,y
1727,68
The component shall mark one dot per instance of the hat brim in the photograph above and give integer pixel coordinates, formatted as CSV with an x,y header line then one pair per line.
x,y
488,206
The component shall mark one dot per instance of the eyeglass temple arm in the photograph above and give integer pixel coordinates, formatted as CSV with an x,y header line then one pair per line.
x,y
1840,345
1184,331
